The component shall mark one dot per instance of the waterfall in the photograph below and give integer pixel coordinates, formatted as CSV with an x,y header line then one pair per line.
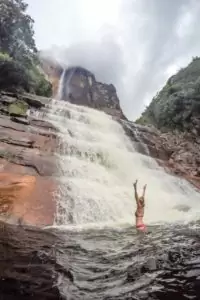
x,y
98,164
61,86
64,88
143,145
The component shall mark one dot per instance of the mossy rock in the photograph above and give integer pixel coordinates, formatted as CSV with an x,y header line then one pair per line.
x,y
18,108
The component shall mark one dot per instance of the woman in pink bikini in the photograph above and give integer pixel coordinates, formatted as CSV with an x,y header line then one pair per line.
x,y
139,214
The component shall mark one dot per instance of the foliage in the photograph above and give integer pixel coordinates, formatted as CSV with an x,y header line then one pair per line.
x,y
18,108
38,82
177,105
18,54
5,57
12,74
16,31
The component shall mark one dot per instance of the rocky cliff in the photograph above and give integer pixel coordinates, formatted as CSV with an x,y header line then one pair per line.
x,y
53,71
79,86
27,162
177,153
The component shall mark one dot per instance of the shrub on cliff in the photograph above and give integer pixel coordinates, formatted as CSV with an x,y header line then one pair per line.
x,y
38,83
12,74
177,105
18,53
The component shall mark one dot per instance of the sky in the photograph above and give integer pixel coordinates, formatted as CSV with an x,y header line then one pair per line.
x,y
134,44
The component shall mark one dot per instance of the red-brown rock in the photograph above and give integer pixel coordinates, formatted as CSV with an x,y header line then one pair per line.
x,y
27,166
27,199
177,153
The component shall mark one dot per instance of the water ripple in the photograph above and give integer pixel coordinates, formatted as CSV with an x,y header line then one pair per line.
x,y
120,264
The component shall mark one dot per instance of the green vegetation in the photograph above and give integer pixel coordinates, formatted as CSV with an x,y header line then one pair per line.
x,y
177,105
18,108
19,64
38,83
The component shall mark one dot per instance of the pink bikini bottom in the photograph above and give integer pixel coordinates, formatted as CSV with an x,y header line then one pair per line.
x,y
141,227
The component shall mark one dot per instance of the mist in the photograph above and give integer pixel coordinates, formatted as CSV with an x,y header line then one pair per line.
x,y
136,45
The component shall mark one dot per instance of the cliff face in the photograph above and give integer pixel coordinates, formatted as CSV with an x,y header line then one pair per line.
x,y
80,87
53,72
27,162
178,154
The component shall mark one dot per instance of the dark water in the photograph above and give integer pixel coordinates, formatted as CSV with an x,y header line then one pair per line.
x,y
120,264
100,264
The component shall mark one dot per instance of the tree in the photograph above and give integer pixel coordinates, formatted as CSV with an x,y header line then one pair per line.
x,y
16,31
19,63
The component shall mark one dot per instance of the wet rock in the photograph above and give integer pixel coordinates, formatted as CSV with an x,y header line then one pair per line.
x,y
177,153
7,99
9,94
28,265
43,163
26,153
43,124
20,120
27,198
21,101
4,110
33,100
11,138
6,122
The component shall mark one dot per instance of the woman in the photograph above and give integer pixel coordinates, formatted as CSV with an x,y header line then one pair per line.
x,y
139,214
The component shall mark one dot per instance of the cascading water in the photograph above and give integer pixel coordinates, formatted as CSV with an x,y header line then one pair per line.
x,y
65,83
60,87
98,164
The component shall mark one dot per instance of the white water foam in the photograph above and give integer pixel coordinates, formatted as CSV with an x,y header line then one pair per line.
x,y
98,164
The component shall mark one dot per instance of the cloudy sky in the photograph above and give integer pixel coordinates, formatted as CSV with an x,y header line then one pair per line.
x,y
135,44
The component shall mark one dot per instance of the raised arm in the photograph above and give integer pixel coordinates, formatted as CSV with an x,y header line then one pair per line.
x,y
144,191
136,194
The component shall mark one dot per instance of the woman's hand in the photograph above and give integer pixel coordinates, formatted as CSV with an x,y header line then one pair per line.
x,y
135,184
